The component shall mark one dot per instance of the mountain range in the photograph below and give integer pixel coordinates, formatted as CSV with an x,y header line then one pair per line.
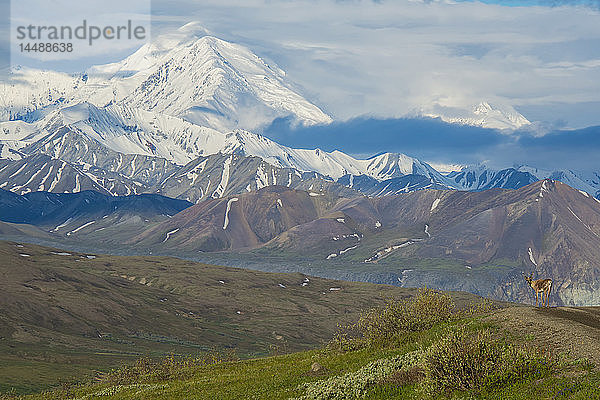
x,y
483,114
478,241
177,115
159,153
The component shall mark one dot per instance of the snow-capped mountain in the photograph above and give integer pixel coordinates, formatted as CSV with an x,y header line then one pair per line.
x,y
481,177
177,99
202,79
588,182
483,114
134,131
176,117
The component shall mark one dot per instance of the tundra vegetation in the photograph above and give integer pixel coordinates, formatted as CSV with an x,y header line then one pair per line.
x,y
415,348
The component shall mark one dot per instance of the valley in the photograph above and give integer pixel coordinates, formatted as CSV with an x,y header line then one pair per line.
x,y
69,314
480,242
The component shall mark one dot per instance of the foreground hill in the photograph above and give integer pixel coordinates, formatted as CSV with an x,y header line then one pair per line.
x,y
65,314
435,351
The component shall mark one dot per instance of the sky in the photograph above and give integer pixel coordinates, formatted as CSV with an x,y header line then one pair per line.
x,y
369,64
389,58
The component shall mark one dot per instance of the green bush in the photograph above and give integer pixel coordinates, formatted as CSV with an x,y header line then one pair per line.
x,y
466,360
385,326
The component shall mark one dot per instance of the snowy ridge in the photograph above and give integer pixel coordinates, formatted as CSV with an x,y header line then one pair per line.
x,y
484,114
481,177
134,131
186,74
149,122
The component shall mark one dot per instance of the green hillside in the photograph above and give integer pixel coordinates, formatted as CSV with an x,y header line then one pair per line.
x,y
65,316
422,348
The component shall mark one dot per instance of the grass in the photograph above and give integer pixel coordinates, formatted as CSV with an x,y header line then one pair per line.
x,y
63,318
457,355
67,316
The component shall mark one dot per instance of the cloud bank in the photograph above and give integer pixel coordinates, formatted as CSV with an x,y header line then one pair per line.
x,y
388,58
438,142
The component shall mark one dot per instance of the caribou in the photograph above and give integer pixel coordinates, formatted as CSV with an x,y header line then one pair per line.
x,y
542,286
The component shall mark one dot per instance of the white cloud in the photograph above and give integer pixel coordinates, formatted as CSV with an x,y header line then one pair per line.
x,y
387,58
71,15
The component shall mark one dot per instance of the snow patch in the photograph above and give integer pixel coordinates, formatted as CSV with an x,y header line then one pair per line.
x,y
434,205
218,193
77,185
18,171
80,228
531,257
195,172
580,220
404,273
348,249
387,251
168,235
226,221
62,225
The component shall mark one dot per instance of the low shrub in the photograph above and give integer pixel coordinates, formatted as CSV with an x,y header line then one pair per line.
x,y
385,326
467,360
404,377
168,368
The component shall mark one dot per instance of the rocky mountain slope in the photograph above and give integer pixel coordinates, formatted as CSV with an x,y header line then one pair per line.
x,y
546,228
72,214
474,241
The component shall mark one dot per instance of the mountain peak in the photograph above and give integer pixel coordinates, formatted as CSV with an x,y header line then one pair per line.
x,y
496,115
189,74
